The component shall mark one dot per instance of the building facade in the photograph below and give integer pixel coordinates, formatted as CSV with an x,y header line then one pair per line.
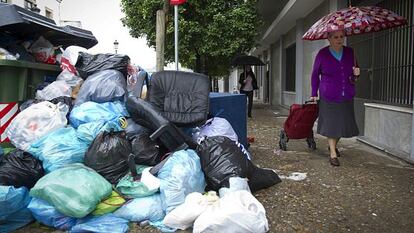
x,y
384,100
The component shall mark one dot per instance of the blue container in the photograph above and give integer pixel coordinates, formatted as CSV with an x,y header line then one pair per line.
x,y
232,107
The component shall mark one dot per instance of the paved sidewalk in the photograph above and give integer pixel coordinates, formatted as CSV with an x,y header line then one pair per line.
x,y
369,192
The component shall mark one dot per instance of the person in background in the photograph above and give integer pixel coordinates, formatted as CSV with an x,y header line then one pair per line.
x,y
334,75
248,84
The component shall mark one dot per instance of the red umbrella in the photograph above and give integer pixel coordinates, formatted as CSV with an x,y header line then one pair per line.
x,y
355,21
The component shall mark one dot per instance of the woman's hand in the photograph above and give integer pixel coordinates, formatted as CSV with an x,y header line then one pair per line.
x,y
356,71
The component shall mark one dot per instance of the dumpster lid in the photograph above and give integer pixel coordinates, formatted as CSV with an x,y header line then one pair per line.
x,y
22,23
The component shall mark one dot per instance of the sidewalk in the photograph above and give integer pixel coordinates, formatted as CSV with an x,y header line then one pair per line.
x,y
369,192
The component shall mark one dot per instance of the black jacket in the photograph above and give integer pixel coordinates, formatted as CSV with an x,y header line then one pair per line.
x,y
254,81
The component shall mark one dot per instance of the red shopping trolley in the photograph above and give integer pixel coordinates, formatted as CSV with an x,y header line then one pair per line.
x,y
299,124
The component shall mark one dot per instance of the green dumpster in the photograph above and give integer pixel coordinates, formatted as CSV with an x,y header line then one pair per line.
x,y
18,82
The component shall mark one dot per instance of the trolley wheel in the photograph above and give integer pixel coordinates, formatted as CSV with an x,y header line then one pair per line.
x,y
311,143
283,139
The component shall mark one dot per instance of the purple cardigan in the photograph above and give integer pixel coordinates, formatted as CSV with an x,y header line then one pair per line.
x,y
333,78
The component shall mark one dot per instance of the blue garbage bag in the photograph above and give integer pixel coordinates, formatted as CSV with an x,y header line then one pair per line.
x,y
59,148
107,223
13,208
92,112
180,176
49,216
87,132
141,209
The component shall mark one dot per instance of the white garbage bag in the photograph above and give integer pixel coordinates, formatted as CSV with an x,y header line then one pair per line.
x,y
36,121
70,78
237,212
54,90
185,214
216,126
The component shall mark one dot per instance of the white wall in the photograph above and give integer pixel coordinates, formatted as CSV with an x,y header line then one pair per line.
x,y
42,4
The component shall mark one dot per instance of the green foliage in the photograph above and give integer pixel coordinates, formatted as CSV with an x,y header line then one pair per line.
x,y
213,31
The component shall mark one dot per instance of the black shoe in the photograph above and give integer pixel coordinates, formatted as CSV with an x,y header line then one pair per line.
x,y
334,161
336,151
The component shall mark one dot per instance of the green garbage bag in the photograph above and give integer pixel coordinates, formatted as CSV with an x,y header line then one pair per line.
x,y
134,188
109,205
73,190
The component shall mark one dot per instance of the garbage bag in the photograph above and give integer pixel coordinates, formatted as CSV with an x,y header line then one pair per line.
x,y
216,126
19,168
141,209
36,121
103,86
92,112
133,129
84,187
59,148
87,132
70,78
180,176
28,103
103,224
47,214
54,90
222,159
147,151
131,188
89,64
108,155
185,214
13,212
43,50
238,212
64,100
109,205
235,184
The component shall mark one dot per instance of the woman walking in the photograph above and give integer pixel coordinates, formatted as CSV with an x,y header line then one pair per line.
x,y
333,76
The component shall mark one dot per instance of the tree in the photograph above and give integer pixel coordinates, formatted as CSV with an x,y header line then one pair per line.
x,y
211,31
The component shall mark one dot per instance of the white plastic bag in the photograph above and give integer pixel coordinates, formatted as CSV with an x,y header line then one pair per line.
x,y
70,78
235,184
54,90
185,214
71,53
237,212
36,121
42,49
216,126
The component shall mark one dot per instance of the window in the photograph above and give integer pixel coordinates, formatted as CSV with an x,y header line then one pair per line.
x,y
290,79
3,1
29,4
48,13
386,60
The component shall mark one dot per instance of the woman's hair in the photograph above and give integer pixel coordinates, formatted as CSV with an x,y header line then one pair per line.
x,y
331,33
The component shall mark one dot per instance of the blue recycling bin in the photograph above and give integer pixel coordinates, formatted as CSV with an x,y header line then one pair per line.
x,y
232,107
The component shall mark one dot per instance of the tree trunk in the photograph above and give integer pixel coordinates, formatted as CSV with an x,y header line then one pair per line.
x,y
160,40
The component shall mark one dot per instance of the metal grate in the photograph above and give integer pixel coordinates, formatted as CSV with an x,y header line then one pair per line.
x,y
386,59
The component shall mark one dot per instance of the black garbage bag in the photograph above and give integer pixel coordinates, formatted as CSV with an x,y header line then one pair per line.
x,y
103,86
108,155
89,64
64,100
19,168
147,151
222,159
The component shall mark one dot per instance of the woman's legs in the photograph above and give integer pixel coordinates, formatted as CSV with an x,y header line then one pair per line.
x,y
250,103
332,148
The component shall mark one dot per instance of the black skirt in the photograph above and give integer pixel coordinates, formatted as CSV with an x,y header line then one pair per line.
x,y
337,120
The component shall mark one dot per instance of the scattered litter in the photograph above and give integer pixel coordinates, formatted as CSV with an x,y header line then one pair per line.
x,y
374,214
296,176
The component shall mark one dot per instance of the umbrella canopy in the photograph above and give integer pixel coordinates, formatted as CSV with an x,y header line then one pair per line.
x,y
246,60
354,21
24,24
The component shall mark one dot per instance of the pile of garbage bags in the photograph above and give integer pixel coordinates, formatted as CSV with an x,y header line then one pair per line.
x,y
83,163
